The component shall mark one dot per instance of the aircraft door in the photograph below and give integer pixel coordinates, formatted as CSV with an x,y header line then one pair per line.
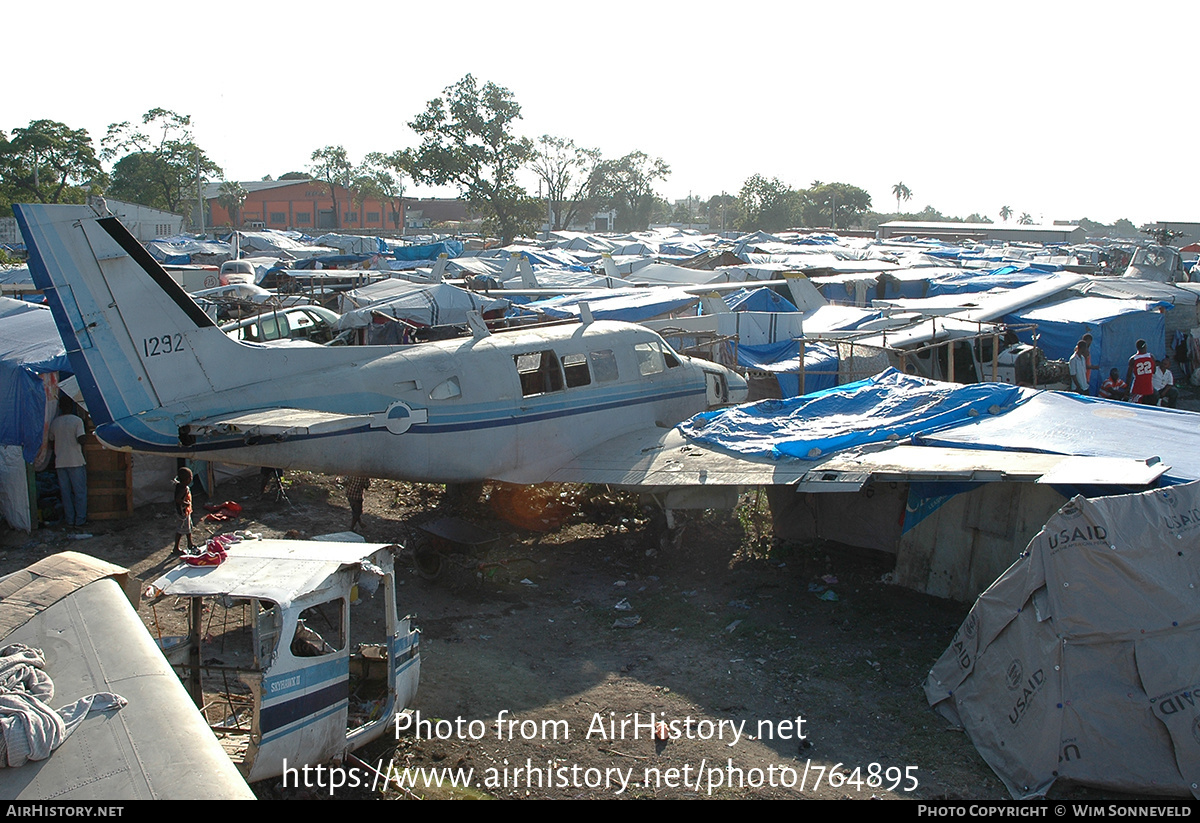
x,y
717,389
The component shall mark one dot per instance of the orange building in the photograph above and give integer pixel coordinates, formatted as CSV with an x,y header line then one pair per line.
x,y
304,205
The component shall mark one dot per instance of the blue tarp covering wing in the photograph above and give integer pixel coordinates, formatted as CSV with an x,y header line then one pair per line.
x,y
886,407
630,305
1061,423
760,299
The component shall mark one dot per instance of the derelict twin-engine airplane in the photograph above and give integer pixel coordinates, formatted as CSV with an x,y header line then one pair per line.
x,y
159,376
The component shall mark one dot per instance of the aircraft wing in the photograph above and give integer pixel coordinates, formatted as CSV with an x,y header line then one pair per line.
x,y
279,422
659,459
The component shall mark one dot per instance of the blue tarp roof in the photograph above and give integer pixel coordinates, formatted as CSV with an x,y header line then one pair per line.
x,y
885,407
29,347
1007,277
630,305
760,299
430,251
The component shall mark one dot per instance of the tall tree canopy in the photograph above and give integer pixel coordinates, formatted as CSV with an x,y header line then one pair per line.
x,y
49,162
231,196
332,166
566,170
901,192
769,205
838,203
467,140
159,163
380,177
627,186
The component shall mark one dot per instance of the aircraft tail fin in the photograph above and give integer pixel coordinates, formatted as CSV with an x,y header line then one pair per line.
x,y
134,337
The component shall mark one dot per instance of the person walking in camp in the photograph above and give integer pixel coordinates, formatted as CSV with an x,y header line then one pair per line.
x,y
1078,369
355,488
1140,376
67,432
183,507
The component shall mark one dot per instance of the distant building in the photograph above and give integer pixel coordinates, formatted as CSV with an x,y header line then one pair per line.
x,y
1004,232
143,222
303,205
422,214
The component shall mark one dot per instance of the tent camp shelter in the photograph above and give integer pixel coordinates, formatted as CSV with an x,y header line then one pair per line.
x,y
1080,662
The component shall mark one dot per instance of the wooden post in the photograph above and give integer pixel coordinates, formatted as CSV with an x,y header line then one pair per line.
x,y
196,613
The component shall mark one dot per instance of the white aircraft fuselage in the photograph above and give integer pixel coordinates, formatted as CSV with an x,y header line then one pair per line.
x,y
159,376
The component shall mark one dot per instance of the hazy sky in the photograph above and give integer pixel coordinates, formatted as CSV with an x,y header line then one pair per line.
x,y
1060,109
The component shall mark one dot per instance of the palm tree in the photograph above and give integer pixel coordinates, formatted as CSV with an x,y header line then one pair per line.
x,y
231,196
902,192
1025,220
1005,213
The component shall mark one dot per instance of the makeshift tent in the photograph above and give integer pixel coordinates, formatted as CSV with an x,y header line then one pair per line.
x,y
760,299
783,360
1115,325
1079,663
29,349
429,251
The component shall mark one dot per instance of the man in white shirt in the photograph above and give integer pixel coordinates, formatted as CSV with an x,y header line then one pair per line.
x,y
66,431
1165,392
1078,369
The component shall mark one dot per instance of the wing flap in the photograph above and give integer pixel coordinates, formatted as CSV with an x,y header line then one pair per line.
x,y
279,422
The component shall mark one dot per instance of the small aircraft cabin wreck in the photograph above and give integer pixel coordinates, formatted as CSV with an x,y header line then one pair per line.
x,y
295,649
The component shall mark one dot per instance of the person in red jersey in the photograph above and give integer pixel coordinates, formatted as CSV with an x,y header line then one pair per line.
x,y
1140,376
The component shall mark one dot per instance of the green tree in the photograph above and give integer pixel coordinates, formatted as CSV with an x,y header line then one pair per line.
x,y
901,192
769,205
566,170
381,177
1025,219
627,186
160,164
231,196
331,165
295,175
844,204
467,140
49,162
1005,213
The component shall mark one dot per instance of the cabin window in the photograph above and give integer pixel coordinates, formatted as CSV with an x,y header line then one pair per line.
x,y
273,326
650,359
539,372
446,390
576,369
604,365
320,630
669,356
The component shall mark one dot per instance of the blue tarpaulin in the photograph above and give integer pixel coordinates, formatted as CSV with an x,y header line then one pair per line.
x,y
430,251
889,406
783,360
760,299
29,347
630,305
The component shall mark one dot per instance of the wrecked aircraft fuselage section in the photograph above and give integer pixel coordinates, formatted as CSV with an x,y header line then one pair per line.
x,y
285,654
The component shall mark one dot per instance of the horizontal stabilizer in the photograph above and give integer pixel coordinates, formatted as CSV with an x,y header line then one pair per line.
x,y
276,422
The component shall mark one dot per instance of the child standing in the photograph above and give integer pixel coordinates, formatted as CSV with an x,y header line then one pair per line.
x,y
183,507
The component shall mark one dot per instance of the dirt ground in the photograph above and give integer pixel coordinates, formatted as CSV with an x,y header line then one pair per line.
x,y
729,628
